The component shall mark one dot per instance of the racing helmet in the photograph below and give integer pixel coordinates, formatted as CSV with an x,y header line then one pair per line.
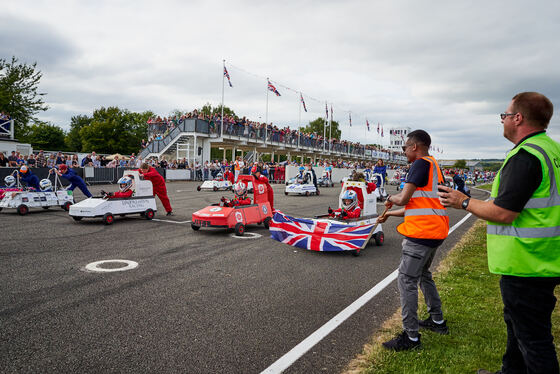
x,y
301,168
45,184
240,189
10,180
63,168
349,195
125,183
23,169
255,169
219,175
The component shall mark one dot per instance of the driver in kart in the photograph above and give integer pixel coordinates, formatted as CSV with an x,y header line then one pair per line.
x,y
10,186
300,176
240,190
125,189
350,208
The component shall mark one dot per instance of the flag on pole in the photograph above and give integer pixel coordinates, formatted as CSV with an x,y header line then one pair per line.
x,y
318,235
226,74
302,101
326,111
378,127
367,124
350,118
381,131
273,89
332,118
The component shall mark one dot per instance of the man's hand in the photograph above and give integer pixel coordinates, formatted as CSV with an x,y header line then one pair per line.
x,y
450,197
388,204
344,213
382,218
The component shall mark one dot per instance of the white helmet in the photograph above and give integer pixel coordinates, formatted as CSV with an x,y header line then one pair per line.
x,y
349,195
10,180
240,189
125,183
219,175
45,184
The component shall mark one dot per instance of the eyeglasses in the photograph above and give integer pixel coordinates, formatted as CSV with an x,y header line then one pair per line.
x,y
504,115
404,147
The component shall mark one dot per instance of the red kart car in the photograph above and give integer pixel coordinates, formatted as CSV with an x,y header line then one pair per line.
x,y
237,217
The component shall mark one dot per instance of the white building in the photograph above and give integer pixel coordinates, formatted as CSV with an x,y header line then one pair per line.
x,y
397,138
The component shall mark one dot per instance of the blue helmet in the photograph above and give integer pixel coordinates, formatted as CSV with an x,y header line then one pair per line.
x,y
45,184
301,168
125,183
349,195
10,180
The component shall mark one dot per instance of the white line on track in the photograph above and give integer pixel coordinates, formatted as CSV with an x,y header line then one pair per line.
x,y
168,220
299,350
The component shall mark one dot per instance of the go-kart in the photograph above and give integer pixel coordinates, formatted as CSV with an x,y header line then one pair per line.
x,y
325,180
303,186
216,184
380,183
27,198
141,202
238,217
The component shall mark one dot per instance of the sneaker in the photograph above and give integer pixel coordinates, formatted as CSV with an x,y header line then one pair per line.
x,y
402,343
169,213
483,371
429,324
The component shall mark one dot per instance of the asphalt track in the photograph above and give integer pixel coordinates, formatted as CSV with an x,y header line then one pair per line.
x,y
198,302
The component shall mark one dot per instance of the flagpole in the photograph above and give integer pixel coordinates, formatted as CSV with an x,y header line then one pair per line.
x,y
299,120
330,132
266,116
325,127
223,83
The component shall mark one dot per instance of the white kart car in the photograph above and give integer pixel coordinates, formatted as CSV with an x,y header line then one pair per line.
x,y
25,199
303,186
215,185
141,202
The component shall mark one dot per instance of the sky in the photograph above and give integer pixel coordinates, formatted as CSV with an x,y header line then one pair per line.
x,y
448,67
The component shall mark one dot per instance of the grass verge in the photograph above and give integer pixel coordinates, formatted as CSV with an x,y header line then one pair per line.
x,y
473,308
487,187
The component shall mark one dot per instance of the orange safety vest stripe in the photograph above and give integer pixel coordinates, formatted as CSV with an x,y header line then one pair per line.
x,y
432,222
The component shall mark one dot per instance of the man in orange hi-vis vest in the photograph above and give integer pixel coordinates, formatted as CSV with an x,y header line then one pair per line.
x,y
425,227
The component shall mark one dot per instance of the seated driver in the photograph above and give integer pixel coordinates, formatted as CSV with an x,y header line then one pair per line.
x,y
125,189
240,198
350,207
10,186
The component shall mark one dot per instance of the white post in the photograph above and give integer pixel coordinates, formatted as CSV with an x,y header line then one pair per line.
x,y
325,127
299,120
330,132
12,129
223,83
266,115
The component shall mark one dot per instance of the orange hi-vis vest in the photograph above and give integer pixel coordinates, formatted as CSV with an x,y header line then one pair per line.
x,y
424,216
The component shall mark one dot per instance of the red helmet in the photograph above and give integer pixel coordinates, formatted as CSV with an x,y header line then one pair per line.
x,y
63,168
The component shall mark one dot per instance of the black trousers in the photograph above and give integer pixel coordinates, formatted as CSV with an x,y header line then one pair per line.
x,y
528,306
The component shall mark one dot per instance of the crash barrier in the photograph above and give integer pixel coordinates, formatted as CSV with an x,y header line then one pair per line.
x,y
178,174
336,175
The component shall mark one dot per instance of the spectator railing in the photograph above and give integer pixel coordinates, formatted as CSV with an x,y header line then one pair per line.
x,y
7,128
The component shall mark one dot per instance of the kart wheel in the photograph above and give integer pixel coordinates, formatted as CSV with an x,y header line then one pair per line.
x,y
356,253
149,214
0,209
108,219
76,218
239,229
66,206
198,188
285,193
215,188
195,227
306,193
317,192
22,209
46,207
379,238
266,222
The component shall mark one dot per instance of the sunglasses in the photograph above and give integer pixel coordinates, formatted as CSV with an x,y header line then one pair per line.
x,y
504,115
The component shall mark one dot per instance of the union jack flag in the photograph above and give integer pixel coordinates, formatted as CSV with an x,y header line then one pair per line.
x,y
367,124
381,131
350,118
273,89
303,102
318,235
226,74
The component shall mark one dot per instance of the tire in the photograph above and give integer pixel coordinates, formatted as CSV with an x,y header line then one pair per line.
x,y
356,253
285,193
266,222
66,206
149,214
122,215
379,238
317,192
46,207
195,227
198,188
0,209
215,188
22,209
76,218
239,229
306,193
108,219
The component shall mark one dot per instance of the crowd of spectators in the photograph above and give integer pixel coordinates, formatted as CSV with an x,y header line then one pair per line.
x,y
5,116
159,128
42,159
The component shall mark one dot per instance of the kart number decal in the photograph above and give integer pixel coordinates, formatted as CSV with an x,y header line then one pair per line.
x,y
265,210
238,217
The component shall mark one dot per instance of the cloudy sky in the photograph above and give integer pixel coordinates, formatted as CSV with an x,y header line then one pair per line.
x,y
447,67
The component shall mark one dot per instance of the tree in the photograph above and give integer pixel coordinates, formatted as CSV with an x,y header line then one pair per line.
x,y
318,125
73,139
209,110
42,135
460,164
18,93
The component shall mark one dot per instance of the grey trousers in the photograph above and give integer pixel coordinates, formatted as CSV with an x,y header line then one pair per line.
x,y
414,269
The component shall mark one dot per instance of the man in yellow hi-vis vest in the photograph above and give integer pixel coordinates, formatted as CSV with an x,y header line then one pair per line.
x,y
523,233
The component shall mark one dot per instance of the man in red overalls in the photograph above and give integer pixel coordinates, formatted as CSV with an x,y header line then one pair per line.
x,y
158,183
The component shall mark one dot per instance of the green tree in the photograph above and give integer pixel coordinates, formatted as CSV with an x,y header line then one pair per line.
x,y
318,125
42,135
460,164
18,93
114,130
73,139
209,110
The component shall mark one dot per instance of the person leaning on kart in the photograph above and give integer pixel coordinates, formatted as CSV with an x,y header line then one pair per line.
x,y
350,208
240,197
125,189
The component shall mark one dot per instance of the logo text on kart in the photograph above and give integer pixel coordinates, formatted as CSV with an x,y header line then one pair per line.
x,y
217,209
265,210
238,217
261,189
